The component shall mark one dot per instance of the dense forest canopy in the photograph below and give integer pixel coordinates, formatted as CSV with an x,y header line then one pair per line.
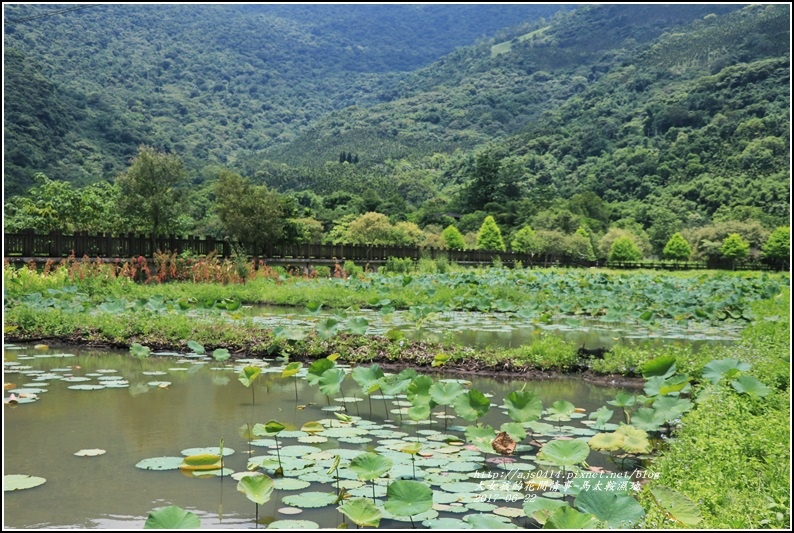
x,y
569,128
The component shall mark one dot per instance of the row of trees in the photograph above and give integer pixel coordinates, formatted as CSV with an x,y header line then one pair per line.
x,y
155,195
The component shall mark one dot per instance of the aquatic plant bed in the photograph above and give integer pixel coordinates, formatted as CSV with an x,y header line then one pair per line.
x,y
321,444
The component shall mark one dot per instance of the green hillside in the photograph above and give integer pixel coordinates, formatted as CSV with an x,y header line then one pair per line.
x,y
211,82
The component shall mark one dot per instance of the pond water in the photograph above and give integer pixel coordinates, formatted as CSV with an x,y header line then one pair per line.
x,y
507,330
160,406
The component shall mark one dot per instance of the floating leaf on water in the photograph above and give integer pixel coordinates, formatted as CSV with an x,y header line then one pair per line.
x,y
310,500
213,450
293,524
489,521
86,387
286,483
370,465
13,482
298,450
160,463
90,452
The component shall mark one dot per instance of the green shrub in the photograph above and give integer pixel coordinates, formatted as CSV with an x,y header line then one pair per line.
x,y
398,266
352,270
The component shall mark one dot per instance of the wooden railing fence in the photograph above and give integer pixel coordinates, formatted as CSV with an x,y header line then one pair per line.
x,y
28,245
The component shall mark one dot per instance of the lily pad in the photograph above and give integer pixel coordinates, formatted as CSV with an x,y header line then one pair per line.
x,y
293,524
446,523
286,483
488,521
617,510
160,463
13,482
212,450
90,452
310,500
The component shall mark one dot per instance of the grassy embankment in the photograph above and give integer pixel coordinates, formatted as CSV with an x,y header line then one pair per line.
x,y
732,454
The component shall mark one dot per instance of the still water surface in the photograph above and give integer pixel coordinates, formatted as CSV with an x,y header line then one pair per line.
x,y
203,402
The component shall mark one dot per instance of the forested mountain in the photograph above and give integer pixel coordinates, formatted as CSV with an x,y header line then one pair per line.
x,y
587,125
85,85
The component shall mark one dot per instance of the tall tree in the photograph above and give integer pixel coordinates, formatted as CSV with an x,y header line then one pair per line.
x,y
490,237
253,215
735,248
677,248
624,249
152,190
453,238
777,248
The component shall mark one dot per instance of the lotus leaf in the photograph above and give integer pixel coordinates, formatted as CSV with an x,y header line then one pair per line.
x,y
205,461
327,328
196,347
663,366
256,488
310,500
609,442
370,465
669,408
488,521
358,325
13,482
221,354
623,399
291,369
249,374
293,524
408,498
647,419
560,411
139,351
160,463
445,392
539,509
714,371
172,517
317,368
569,518
523,406
677,506
471,405
617,510
331,381
565,452
446,523
750,385
515,430
362,512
